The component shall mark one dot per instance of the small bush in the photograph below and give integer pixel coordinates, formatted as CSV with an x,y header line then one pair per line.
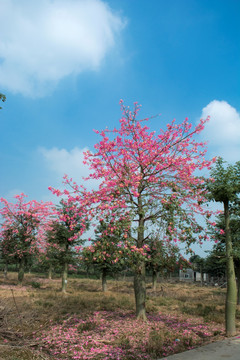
x,y
35,284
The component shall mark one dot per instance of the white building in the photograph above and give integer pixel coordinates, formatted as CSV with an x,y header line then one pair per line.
x,y
190,275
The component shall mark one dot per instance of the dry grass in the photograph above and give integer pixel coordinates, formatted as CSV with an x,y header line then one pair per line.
x,y
40,303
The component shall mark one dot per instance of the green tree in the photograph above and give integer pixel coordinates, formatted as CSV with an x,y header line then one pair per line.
x,y
215,263
225,189
198,264
7,248
106,253
163,257
220,247
62,238
52,257
2,98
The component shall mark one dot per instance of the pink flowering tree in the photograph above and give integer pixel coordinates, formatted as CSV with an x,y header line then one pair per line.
x,y
23,229
142,172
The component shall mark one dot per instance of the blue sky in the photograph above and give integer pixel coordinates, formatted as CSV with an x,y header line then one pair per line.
x,y
65,64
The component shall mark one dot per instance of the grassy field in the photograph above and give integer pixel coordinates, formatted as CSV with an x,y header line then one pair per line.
x,y
39,322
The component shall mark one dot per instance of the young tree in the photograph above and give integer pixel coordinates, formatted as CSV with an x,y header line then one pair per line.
x,y
219,248
163,257
51,259
64,235
141,173
215,264
198,264
106,251
225,189
7,248
23,223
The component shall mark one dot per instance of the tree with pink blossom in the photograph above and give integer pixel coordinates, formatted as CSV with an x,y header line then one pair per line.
x,y
23,229
141,172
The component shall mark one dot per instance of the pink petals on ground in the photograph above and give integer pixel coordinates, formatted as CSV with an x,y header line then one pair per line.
x,y
119,335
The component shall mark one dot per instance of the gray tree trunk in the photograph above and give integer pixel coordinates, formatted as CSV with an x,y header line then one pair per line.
x,y
140,292
104,280
154,280
21,271
64,277
50,272
140,272
231,297
5,270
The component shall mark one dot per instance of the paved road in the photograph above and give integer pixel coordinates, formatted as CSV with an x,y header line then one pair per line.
x,y
228,349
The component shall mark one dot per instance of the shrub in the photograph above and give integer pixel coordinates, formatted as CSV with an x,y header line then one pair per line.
x,y
35,284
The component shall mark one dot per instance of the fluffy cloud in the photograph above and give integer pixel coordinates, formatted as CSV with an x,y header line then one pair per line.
x,y
223,130
61,161
43,41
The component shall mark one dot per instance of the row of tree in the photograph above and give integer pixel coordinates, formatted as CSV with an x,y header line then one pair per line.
x,y
48,242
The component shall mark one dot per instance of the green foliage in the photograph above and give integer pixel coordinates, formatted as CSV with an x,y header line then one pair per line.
x,y
215,263
217,258
198,263
2,98
61,238
226,184
163,256
106,252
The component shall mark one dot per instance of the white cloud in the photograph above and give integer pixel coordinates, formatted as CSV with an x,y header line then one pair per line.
x,y
61,162
223,130
43,41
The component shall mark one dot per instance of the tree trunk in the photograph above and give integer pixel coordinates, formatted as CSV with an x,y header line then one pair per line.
x,y
64,277
5,270
201,272
21,271
140,276
140,292
231,297
154,280
104,280
238,282
50,272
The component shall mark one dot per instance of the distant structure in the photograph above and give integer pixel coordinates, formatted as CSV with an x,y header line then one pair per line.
x,y
190,275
